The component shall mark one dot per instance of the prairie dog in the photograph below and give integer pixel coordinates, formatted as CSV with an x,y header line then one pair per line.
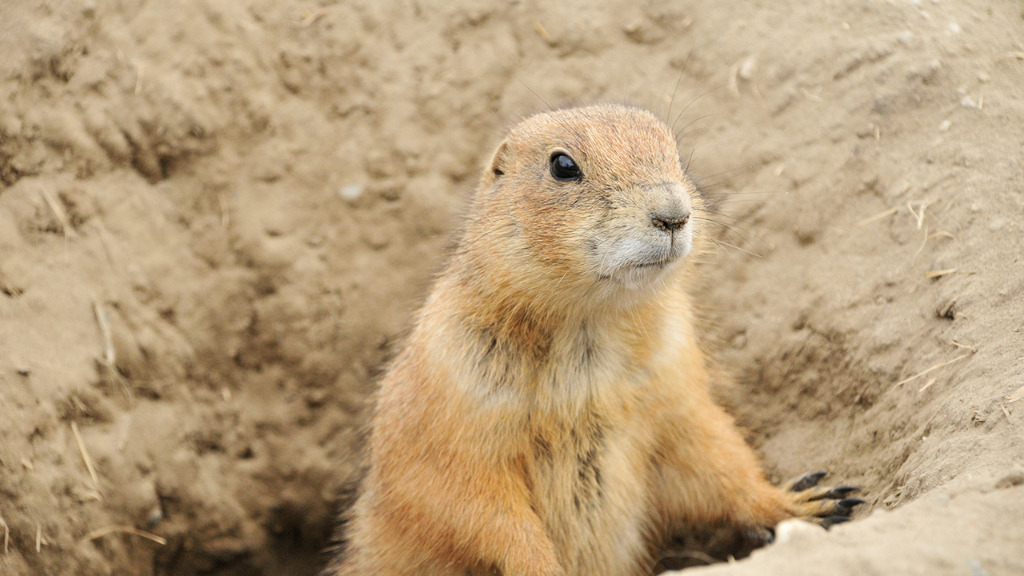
x,y
550,414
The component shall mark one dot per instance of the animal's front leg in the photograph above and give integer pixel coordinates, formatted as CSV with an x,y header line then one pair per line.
x,y
474,517
708,476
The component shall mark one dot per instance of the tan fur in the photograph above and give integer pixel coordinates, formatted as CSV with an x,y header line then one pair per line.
x,y
550,414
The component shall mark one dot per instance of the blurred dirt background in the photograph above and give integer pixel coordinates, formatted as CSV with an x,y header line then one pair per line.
x,y
217,217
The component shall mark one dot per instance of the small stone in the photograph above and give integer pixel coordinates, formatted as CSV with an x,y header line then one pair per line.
x,y
351,192
748,68
155,516
740,341
945,125
633,27
791,529
638,31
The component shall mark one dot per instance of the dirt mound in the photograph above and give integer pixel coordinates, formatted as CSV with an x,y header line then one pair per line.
x,y
216,222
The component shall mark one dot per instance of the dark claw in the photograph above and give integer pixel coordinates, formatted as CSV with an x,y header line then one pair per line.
x,y
807,481
831,521
846,504
760,536
837,493
840,492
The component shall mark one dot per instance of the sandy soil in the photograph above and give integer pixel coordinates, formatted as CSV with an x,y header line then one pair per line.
x,y
216,219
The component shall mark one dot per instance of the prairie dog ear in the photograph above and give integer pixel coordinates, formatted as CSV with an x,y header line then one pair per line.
x,y
497,166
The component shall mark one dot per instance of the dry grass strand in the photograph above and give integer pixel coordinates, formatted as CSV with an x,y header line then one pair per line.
x,y
932,369
85,457
119,529
879,216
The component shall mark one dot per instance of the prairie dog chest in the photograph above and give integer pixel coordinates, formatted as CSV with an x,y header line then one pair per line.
x,y
578,417
587,483
588,449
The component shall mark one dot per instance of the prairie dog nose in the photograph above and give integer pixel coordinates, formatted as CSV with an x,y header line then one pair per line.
x,y
669,206
670,221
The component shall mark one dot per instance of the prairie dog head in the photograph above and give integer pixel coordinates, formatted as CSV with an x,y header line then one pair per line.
x,y
592,201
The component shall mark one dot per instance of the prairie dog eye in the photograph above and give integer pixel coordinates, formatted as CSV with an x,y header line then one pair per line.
x,y
564,168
